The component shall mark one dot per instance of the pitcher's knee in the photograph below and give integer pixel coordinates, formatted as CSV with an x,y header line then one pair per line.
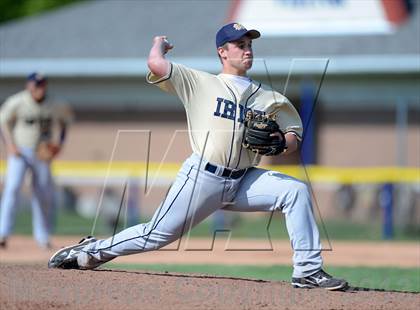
x,y
297,193
297,188
301,188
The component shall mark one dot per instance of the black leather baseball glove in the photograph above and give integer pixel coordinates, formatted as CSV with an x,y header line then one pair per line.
x,y
258,136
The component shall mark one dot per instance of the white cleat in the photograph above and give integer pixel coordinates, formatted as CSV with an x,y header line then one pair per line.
x,y
66,258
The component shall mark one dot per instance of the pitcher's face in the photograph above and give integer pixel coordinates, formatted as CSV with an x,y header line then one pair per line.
x,y
238,54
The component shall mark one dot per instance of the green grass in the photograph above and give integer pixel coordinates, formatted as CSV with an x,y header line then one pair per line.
x,y
262,227
398,279
69,223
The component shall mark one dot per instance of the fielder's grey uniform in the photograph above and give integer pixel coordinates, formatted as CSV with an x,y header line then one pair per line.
x,y
30,123
221,174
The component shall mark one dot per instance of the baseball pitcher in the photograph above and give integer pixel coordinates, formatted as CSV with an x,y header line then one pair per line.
x,y
233,121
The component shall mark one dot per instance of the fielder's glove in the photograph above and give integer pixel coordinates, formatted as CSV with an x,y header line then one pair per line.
x,y
258,135
46,151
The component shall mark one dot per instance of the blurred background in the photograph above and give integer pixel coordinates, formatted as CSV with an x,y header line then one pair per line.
x,y
350,67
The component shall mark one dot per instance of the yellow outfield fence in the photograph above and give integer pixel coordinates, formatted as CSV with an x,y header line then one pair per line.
x,y
85,170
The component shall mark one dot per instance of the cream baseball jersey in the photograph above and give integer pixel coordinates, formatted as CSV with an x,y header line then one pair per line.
x,y
30,121
216,110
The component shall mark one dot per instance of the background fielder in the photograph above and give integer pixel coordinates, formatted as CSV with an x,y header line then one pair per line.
x,y
34,131
220,173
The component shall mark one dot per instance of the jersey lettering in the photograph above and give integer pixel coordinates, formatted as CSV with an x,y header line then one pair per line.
x,y
219,104
229,110
241,114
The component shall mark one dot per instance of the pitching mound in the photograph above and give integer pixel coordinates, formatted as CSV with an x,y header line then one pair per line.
x,y
37,287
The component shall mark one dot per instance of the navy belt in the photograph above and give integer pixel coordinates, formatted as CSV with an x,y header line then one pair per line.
x,y
227,173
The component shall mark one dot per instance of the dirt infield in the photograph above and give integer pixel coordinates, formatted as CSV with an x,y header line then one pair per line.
x,y
252,252
27,283
36,287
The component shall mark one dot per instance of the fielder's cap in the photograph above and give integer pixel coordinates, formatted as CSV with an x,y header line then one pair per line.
x,y
234,31
37,77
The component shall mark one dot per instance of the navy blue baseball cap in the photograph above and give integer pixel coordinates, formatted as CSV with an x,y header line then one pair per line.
x,y
234,31
36,77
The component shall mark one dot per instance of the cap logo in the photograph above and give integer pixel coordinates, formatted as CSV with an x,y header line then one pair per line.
x,y
238,26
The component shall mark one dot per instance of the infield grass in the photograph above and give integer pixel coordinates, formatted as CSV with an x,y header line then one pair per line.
x,y
383,278
69,223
